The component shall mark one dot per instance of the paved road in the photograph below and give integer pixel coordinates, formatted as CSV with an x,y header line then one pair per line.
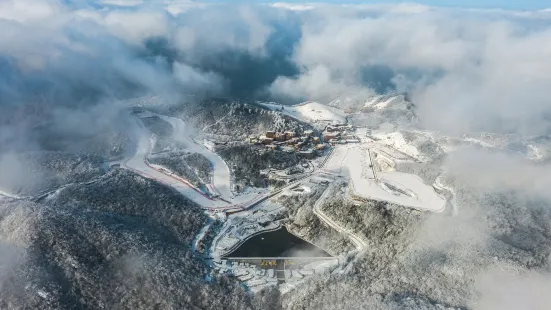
x,y
438,183
358,242
221,177
137,163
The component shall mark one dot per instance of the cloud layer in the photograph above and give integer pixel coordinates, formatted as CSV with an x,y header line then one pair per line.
x,y
466,70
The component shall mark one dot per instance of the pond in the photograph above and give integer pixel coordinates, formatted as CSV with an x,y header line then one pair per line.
x,y
278,243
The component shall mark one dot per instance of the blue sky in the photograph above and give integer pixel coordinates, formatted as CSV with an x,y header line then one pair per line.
x,y
502,4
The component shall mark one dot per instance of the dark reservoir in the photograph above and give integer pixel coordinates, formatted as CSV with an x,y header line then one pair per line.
x,y
279,243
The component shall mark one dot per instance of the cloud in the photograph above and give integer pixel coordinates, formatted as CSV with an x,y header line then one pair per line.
x,y
121,2
293,6
136,26
135,43
503,290
68,57
467,70
501,172
28,10
454,62
198,80
317,83
15,174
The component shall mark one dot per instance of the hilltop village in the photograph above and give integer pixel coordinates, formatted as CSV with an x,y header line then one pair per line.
x,y
308,143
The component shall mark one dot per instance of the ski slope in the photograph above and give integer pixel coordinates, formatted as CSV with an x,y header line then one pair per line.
x,y
382,102
221,179
137,163
397,141
310,112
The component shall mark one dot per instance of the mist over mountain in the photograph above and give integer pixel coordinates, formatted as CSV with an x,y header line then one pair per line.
x,y
450,61
75,233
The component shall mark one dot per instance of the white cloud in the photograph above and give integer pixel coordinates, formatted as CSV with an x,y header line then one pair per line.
x,y
197,80
136,26
507,291
293,6
316,83
43,35
467,70
500,172
28,10
121,2
215,29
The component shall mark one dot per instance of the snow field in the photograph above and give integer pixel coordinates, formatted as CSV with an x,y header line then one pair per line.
x,y
354,162
396,140
310,112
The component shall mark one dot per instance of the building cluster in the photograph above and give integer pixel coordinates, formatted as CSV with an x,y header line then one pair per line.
x,y
306,144
339,134
253,276
257,274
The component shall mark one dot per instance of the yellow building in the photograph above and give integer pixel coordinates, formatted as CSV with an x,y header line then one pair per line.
x,y
289,135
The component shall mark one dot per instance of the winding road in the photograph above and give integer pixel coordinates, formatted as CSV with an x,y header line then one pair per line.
x,y
358,242
137,162
221,179
439,184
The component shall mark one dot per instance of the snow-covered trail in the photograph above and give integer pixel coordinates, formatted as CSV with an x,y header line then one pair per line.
x,y
217,122
221,182
358,242
6,195
137,163
221,172
309,112
439,184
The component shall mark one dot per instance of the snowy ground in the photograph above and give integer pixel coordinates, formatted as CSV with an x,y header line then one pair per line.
x,y
381,102
397,141
221,181
310,112
440,186
138,164
5,195
221,171
534,153
404,189
350,157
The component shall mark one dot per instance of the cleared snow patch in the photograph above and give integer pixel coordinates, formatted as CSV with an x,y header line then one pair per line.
x,y
479,142
310,112
380,102
535,153
396,140
372,101
384,104
405,189
4,194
